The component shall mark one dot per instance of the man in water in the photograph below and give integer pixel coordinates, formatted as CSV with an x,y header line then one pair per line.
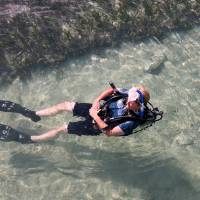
x,y
131,101
135,102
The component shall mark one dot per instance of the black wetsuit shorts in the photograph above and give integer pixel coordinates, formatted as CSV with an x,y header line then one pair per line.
x,y
85,127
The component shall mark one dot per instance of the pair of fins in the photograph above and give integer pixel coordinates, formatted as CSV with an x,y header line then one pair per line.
x,y
7,133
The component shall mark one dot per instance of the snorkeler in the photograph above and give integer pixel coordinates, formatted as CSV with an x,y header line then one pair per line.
x,y
122,111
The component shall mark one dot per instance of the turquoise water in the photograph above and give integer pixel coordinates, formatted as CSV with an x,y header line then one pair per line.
x,y
161,162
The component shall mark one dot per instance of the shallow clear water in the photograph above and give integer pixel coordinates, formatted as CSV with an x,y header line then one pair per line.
x,y
161,162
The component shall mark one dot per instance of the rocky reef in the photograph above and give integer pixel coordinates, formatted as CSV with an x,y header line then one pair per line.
x,y
49,31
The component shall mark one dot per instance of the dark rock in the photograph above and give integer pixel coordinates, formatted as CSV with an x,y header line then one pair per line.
x,y
50,31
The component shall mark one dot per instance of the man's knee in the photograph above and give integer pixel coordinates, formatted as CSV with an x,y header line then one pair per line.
x,y
69,105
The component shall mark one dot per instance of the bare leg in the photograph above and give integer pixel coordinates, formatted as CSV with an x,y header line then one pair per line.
x,y
51,111
49,135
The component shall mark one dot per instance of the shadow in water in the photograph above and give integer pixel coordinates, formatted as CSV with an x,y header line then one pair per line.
x,y
157,175
157,70
30,163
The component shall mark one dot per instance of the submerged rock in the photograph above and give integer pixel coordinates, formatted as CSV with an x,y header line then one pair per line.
x,y
156,65
48,32
183,139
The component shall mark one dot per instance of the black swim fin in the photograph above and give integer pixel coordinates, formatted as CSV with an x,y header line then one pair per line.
x,y
30,114
8,106
8,134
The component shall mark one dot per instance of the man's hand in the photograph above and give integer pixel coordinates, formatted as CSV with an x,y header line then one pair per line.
x,y
101,124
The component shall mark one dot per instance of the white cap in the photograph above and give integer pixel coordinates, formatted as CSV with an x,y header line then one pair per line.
x,y
133,95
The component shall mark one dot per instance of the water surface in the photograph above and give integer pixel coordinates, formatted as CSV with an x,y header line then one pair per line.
x,y
161,162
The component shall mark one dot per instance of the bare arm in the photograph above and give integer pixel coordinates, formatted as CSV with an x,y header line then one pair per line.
x,y
116,131
101,124
95,106
102,96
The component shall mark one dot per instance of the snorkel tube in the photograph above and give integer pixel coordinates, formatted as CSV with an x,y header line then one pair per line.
x,y
112,85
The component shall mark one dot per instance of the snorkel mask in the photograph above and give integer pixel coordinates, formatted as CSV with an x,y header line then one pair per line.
x,y
135,95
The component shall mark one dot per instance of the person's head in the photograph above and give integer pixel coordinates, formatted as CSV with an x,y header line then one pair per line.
x,y
137,97
145,93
